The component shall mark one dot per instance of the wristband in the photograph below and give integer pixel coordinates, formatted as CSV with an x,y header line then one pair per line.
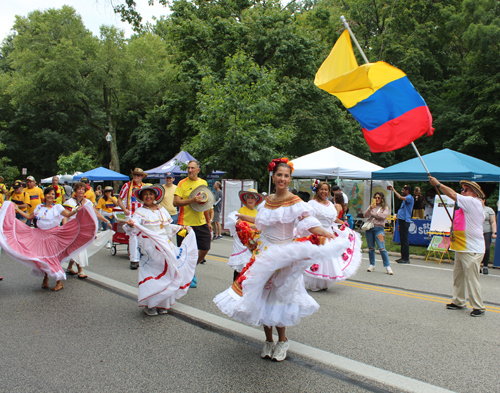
x,y
438,186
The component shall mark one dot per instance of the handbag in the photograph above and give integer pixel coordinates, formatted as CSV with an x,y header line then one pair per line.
x,y
368,224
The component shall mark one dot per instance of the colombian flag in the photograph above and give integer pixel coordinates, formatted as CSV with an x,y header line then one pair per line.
x,y
378,95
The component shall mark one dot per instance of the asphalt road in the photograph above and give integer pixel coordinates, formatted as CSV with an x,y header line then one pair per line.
x,y
374,332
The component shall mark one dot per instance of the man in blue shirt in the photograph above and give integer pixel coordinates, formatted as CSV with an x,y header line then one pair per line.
x,y
404,220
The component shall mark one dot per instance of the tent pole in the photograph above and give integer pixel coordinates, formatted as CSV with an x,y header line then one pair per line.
x,y
342,19
496,256
269,188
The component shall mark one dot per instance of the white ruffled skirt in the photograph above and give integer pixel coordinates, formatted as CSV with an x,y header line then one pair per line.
x,y
165,271
273,292
336,267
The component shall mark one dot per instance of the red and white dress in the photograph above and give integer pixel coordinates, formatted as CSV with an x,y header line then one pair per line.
x,y
100,239
324,272
44,250
165,270
127,194
271,290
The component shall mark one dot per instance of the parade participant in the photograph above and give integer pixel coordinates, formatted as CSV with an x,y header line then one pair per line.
x,y
49,215
131,204
338,199
468,243
241,254
168,200
82,259
270,290
404,221
377,212
60,193
165,271
217,211
36,197
199,221
21,198
89,192
324,272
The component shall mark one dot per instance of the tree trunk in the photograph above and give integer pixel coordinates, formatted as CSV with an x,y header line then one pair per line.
x,y
115,161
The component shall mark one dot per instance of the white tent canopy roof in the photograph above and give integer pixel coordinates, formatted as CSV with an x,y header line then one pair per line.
x,y
332,163
62,178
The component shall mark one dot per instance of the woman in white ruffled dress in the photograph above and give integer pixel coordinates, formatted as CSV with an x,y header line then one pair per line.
x,y
323,273
270,290
241,254
165,271
101,239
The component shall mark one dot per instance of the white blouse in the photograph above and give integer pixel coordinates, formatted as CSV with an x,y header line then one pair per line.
x,y
48,217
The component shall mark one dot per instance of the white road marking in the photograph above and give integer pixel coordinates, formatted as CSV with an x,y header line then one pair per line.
x,y
319,355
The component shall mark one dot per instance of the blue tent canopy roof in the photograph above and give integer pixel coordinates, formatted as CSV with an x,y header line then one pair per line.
x,y
445,165
101,174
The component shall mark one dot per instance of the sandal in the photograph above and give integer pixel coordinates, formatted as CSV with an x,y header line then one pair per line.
x,y
82,276
71,272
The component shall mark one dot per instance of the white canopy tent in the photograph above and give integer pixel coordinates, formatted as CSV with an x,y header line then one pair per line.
x,y
333,163
62,178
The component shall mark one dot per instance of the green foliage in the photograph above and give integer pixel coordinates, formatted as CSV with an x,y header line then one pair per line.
x,y
237,121
77,161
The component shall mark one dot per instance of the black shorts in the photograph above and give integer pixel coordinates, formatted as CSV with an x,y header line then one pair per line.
x,y
203,237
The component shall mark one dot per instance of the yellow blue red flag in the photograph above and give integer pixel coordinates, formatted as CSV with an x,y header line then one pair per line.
x,y
380,97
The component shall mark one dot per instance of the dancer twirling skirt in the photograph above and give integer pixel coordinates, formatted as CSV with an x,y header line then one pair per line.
x,y
165,271
323,273
270,289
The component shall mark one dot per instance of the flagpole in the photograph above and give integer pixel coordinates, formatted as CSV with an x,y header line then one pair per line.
x,y
346,25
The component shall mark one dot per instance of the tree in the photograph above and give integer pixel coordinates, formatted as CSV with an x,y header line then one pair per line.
x,y
237,130
77,161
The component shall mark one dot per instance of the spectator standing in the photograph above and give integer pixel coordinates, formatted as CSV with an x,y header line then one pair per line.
x,y
127,195
489,232
61,195
419,204
68,190
168,200
217,210
468,243
336,188
36,198
404,221
3,188
21,198
377,212
199,221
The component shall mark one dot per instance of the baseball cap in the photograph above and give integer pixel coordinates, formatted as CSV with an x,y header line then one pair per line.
x,y
169,174
17,184
30,178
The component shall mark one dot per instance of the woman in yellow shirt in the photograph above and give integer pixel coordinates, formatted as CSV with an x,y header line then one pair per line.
x,y
106,205
241,254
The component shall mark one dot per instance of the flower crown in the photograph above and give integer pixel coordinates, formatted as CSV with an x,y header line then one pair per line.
x,y
314,187
277,161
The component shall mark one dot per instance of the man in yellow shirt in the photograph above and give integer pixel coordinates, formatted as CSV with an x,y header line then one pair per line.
x,y
3,189
36,196
20,198
199,221
168,200
89,194
60,194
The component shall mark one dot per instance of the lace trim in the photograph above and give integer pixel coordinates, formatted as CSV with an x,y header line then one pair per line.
x,y
273,205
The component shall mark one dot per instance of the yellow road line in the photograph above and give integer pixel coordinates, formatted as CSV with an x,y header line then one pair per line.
x,y
390,291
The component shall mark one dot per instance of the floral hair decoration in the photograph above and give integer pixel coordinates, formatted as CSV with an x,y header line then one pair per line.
x,y
277,161
314,187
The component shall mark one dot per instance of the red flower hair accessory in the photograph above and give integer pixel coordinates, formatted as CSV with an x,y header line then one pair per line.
x,y
277,161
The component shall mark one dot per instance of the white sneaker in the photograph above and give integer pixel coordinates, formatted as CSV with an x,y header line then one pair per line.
x,y
371,268
162,311
280,349
151,311
389,271
267,351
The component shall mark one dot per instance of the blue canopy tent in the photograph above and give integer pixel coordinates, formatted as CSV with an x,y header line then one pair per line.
x,y
100,174
174,166
445,165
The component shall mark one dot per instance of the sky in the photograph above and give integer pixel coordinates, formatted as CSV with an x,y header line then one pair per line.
x,y
94,13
